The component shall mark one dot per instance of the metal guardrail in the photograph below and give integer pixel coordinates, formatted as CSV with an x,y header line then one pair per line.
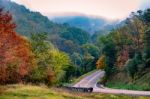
x,y
79,89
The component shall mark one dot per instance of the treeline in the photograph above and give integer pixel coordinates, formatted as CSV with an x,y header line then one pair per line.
x,y
33,60
127,49
73,41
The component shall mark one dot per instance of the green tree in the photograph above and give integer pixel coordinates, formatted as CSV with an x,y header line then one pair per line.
x,y
132,68
146,16
41,49
70,72
59,61
91,49
76,35
147,48
110,51
76,59
87,65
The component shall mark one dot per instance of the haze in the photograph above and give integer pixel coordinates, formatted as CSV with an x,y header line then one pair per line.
x,y
110,9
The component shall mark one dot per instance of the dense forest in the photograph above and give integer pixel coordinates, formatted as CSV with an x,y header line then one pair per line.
x,y
125,52
36,50
58,52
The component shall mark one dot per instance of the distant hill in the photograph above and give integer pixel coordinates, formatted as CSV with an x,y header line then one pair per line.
x,y
26,20
76,32
87,23
34,22
62,36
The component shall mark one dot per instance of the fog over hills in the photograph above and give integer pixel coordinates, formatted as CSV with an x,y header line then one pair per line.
x,y
90,24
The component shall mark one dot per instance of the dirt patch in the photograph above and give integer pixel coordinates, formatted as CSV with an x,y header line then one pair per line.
x,y
2,89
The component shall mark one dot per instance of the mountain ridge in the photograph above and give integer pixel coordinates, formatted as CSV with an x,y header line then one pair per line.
x,y
90,24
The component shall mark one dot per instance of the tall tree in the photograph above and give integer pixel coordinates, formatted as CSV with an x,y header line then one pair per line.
x,y
147,48
59,63
16,58
42,50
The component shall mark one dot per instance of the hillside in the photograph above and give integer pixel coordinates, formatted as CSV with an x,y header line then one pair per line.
x,y
33,22
126,55
29,22
26,20
71,41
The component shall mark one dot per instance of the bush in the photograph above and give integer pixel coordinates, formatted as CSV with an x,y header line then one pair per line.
x,y
131,86
16,57
132,68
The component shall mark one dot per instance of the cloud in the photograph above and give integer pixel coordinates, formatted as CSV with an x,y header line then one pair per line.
x,y
145,4
112,9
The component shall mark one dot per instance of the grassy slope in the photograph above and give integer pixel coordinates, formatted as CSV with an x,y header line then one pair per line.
x,y
142,83
145,79
43,92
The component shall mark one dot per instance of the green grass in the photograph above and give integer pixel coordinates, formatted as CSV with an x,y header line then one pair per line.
x,y
33,92
128,86
43,92
122,81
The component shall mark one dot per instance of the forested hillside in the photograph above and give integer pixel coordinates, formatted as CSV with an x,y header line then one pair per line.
x,y
126,53
58,52
26,20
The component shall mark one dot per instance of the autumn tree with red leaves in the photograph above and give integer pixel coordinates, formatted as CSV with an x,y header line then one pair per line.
x,y
16,58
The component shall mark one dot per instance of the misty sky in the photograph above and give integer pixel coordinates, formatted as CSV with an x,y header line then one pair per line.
x,y
111,9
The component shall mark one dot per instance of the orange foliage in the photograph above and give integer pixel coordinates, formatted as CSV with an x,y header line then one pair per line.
x,y
122,58
50,76
100,64
16,58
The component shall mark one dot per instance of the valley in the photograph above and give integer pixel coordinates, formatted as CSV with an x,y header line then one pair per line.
x,y
39,54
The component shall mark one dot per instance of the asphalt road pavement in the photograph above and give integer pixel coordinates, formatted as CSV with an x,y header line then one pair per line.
x,y
92,79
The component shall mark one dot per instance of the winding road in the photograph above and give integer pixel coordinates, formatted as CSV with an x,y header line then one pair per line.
x,y
91,81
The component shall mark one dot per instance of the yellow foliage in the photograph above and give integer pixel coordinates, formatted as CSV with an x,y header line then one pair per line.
x,y
100,64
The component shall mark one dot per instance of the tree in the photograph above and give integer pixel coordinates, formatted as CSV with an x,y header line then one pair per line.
x,y
76,59
42,51
100,64
147,44
136,28
51,62
91,49
132,68
41,48
108,48
147,47
16,58
110,51
70,72
146,16
76,35
88,60
59,62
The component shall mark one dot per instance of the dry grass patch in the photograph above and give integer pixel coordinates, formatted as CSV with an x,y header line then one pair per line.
x,y
43,92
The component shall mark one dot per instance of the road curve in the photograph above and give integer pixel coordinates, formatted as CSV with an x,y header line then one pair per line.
x,y
91,81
